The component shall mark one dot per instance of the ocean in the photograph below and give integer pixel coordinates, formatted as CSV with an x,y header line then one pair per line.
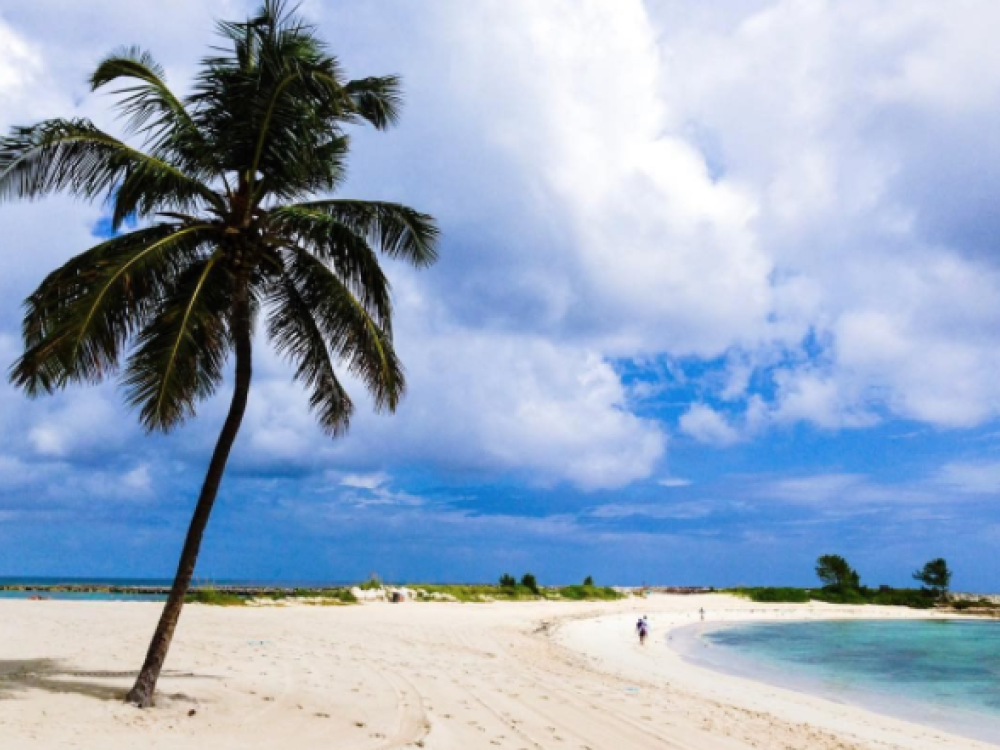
x,y
127,582
942,673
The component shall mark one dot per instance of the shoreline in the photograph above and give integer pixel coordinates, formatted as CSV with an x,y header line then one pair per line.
x,y
691,643
441,676
608,643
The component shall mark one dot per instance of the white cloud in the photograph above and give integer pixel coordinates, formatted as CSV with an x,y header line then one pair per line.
x,y
78,424
674,482
548,412
665,511
20,64
834,116
365,481
820,489
138,480
649,179
706,425
974,478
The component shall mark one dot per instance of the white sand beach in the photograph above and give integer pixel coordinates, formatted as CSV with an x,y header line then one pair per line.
x,y
432,675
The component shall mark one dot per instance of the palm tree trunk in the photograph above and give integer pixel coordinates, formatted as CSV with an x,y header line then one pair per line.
x,y
141,693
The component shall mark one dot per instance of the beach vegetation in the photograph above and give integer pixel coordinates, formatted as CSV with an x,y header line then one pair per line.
x,y
473,592
509,589
591,592
221,221
837,575
213,596
774,594
936,577
345,596
372,584
529,582
588,581
980,605
341,595
915,598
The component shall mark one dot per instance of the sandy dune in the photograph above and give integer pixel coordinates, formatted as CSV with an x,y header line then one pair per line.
x,y
410,675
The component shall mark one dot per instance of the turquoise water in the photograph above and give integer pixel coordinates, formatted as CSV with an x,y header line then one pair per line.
x,y
945,673
89,596
108,597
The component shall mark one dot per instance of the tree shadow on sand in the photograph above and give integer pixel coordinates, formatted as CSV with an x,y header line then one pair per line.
x,y
54,676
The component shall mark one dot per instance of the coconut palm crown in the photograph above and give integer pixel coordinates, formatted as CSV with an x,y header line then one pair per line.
x,y
223,189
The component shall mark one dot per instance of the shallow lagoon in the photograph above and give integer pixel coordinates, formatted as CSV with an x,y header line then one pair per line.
x,y
944,673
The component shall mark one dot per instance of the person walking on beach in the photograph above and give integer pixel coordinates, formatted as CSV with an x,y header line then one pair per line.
x,y
642,628
702,613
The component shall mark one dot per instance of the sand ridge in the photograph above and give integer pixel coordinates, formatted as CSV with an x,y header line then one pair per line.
x,y
435,675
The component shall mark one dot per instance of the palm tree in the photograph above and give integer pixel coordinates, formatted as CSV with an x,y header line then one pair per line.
x,y
224,191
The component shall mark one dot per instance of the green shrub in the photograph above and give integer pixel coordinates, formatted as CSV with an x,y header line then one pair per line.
x,y
835,596
591,592
214,597
778,594
916,598
529,582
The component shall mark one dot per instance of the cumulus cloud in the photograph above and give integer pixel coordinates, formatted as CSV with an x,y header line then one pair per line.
x,y
520,404
866,168
706,425
800,191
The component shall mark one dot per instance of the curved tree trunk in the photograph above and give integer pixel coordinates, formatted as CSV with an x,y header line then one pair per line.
x,y
141,693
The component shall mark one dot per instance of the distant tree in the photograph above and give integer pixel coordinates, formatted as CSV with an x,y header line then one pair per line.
x,y
935,576
529,582
588,581
507,581
835,572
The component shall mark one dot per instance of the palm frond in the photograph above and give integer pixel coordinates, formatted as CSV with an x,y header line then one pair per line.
x,y
349,331
396,230
180,353
79,320
152,109
295,334
347,252
148,103
377,100
76,156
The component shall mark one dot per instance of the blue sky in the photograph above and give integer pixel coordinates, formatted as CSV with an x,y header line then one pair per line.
x,y
718,294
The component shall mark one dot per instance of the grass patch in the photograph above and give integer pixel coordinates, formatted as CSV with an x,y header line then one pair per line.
x,y
476,592
484,592
773,594
961,605
329,596
914,598
214,597
589,593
